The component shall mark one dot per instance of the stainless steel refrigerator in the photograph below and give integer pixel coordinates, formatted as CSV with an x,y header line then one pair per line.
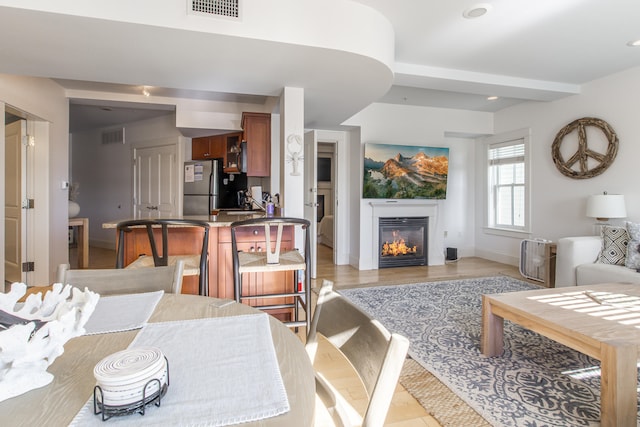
x,y
201,187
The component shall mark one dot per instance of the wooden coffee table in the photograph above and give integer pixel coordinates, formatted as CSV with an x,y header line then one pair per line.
x,y
602,321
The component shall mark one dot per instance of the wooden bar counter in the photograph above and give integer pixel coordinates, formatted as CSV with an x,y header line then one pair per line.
x,y
184,240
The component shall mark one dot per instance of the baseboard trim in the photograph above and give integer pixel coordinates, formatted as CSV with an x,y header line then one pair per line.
x,y
498,257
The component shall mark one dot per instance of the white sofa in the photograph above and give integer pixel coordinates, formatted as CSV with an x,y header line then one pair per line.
x,y
575,264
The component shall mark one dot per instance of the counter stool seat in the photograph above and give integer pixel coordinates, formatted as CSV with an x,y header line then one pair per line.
x,y
191,263
252,262
273,259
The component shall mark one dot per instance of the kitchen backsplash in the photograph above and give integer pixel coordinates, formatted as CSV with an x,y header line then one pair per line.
x,y
229,188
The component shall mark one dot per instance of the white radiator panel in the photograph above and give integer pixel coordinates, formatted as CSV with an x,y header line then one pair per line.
x,y
533,264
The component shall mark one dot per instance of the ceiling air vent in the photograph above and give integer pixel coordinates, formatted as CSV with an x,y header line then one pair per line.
x,y
113,136
221,8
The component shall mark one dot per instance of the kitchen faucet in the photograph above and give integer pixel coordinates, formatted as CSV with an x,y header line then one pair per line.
x,y
251,201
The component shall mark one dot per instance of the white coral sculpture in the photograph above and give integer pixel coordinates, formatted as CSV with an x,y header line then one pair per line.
x,y
26,352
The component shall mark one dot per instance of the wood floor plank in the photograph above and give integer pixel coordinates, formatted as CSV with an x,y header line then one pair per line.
x,y
405,411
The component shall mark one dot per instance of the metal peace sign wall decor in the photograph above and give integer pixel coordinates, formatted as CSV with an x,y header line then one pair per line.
x,y
585,162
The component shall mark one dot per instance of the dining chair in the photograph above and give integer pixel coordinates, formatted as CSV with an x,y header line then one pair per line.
x,y
277,255
123,281
375,354
194,263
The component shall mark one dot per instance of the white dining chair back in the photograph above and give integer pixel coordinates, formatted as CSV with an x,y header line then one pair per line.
x,y
376,355
124,281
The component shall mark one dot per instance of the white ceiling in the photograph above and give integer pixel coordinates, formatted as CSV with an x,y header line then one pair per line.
x,y
520,50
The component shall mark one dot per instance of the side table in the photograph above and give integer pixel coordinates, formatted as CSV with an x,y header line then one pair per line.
x,y
83,240
550,252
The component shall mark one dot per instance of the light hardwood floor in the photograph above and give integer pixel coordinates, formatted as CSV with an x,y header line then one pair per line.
x,y
405,411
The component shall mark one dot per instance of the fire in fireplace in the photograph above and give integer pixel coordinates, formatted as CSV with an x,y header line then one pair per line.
x,y
403,241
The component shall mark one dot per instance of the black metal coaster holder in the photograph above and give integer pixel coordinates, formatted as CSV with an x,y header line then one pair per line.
x,y
108,411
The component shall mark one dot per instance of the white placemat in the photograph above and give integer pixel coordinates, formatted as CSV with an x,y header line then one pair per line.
x,y
222,371
122,312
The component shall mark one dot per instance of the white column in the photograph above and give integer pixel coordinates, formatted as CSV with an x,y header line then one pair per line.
x,y
291,131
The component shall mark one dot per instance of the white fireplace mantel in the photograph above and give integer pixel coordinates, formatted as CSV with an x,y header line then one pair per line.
x,y
409,208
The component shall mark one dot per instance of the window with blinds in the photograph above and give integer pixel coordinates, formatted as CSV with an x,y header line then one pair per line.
x,y
507,185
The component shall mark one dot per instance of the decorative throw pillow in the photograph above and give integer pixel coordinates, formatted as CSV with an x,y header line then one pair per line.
x,y
614,245
633,248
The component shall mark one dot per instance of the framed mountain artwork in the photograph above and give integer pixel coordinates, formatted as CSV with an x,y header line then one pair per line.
x,y
405,172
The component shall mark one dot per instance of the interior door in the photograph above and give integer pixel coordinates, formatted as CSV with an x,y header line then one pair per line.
x,y
311,192
14,194
156,182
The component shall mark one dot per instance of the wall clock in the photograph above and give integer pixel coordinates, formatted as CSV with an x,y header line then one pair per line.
x,y
585,162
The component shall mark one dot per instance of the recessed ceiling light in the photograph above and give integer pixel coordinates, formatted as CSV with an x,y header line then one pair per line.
x,y
476,11
492,98
634,43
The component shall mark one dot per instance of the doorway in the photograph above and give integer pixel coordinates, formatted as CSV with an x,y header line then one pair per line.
x,y
326,185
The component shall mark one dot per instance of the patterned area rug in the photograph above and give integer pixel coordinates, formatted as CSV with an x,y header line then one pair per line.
x,y
536,382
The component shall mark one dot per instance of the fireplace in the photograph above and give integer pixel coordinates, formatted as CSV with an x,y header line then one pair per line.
x,y
403,241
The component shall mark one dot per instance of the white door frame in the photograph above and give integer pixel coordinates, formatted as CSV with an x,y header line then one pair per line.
x,y
35,220
15,214
311,193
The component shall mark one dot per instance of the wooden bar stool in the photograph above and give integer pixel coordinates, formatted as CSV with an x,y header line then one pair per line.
x,y
194,264
274,258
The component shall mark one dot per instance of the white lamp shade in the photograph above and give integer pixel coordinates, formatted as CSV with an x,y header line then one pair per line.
x,y
605,206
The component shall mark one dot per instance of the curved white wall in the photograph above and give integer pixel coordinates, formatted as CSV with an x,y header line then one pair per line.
x,y
332,24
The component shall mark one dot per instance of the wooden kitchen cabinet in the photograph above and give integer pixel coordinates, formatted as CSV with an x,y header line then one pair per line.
x,y
225,146
208,147
232,152
257,134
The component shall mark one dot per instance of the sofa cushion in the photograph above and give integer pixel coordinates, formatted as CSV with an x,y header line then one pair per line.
x,y
594,273
614,245
633,247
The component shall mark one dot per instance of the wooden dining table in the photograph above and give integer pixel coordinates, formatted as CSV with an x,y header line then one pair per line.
x,y
58,403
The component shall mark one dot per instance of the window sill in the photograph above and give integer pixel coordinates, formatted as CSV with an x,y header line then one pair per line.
x,y
519,234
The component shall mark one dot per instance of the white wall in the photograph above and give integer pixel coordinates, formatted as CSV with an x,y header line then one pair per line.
x,y
291,124
285,21
105,172
408,125
559,202
45,102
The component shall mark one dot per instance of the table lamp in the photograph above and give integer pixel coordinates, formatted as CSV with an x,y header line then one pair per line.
x,y
605,206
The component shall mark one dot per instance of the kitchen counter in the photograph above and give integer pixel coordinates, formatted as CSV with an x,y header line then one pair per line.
x,y
186,240
223,219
